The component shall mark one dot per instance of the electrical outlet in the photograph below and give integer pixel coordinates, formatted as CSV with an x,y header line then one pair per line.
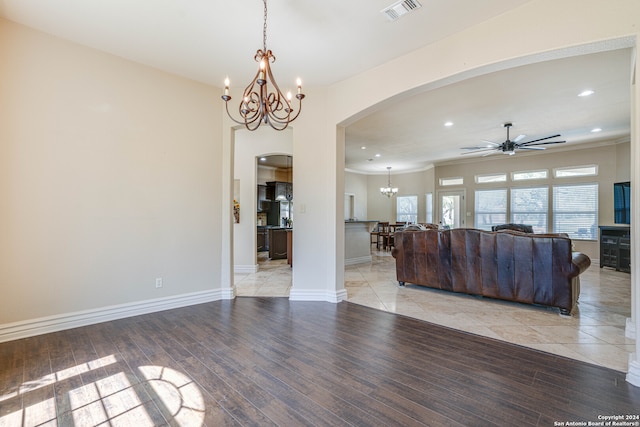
x,y
158,282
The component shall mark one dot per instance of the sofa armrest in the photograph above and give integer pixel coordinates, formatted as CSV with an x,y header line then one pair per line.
x,y
581,261
394,252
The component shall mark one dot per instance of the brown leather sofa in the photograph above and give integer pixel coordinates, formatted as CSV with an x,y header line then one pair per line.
x,y
509,265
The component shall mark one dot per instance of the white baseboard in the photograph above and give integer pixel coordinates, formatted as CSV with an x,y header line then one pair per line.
x,y
319,295
60,322
633,374
228,293
246,269
358,260
630,329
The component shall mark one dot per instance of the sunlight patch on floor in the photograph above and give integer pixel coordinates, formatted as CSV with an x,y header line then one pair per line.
x,y
119,398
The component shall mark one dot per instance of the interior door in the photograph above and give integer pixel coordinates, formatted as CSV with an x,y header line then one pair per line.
x,y
451,208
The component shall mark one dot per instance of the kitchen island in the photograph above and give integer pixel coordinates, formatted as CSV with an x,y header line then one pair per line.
x,y
278,242
357,241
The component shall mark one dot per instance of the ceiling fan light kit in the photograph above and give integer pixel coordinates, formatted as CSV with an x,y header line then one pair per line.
x,y
511,146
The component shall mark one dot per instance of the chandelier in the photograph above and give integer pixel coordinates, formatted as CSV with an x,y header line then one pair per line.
x,y
260,104
388,190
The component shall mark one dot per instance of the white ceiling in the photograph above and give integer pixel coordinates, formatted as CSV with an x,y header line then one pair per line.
x,y
206,40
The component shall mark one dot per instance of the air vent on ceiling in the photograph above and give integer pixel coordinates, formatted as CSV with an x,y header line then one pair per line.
x,y
400,8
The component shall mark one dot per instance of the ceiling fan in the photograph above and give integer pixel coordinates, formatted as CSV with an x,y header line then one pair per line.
x,y
509,147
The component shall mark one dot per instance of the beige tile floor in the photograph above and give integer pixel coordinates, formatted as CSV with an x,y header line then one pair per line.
x,y
595,334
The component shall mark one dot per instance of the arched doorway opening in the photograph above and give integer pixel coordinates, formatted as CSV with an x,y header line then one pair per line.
x,y
260,192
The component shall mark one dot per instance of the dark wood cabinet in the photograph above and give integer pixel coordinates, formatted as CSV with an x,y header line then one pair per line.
x,y
279,191
277,243
615,247
263,202
262,239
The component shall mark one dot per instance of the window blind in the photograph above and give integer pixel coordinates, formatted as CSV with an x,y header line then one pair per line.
x,y
490,208
530,206
575,210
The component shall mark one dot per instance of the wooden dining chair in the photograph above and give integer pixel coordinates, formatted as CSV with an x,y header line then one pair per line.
x,y
379,232
389,237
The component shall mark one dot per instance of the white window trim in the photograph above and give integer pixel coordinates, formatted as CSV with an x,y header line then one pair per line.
x,y
567,168
478,178
456,180
513,174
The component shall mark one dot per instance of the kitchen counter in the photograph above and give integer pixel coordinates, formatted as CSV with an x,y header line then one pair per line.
x,y
357,241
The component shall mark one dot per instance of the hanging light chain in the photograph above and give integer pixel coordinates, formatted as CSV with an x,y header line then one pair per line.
x,y
264,28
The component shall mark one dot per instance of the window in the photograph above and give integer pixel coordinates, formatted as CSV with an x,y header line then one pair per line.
x,y
407,209
429,203
530,206
496,177
491,208
526,175
451,181
575,210
589,170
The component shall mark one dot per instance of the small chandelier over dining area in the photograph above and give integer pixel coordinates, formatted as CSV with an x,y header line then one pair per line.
x,y
259,103
389,190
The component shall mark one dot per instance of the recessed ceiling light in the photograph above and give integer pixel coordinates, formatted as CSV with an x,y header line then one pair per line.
x,y
377,155
363,148
594,130
262,159
586,92
448,124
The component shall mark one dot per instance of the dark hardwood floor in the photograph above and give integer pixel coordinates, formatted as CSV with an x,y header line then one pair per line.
x,y
269,361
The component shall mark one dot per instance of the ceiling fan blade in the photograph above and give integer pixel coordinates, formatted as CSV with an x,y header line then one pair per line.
x,y
480,147
493,146
519,137
491,142
528,144
479,151
540,139
530,148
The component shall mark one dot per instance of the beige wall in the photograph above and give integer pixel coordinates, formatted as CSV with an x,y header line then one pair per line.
x,y
382,208
623,162
108,180
356,184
